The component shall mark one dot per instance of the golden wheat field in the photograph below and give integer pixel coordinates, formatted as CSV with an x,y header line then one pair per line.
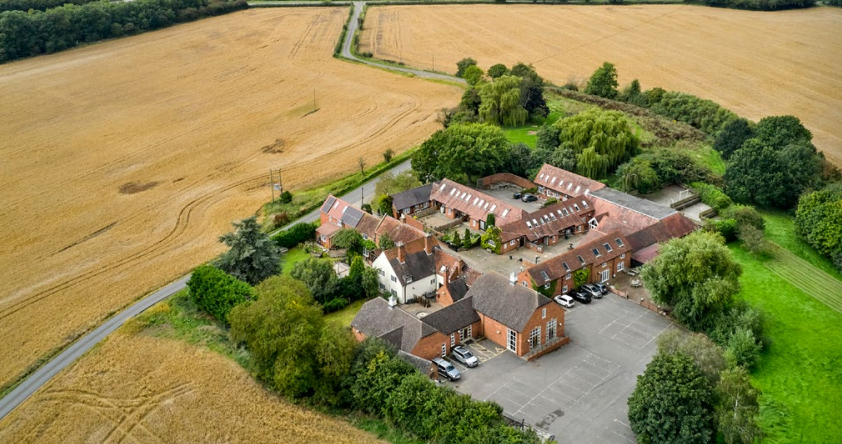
x,y
139,388
754,63
122,162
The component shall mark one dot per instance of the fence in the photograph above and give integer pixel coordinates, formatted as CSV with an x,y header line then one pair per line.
x,y
643,303
521,424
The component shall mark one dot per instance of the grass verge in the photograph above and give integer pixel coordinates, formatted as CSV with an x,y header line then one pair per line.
x,y
800,372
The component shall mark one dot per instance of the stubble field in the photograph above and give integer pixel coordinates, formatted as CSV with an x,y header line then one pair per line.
x,y
754,63
124,161
140,388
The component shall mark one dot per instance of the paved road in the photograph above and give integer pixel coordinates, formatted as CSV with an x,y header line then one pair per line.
x,y
346,52
78,348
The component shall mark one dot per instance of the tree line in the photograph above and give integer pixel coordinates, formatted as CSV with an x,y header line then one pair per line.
x,y
35,32
758,5
38,5
296,352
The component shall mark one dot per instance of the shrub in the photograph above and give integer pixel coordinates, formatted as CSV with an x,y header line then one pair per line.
x,y
335,305
298,233
743,348
388,154
286,197
280,219
745,215
462,66
549,202
703,114
712,195
727,228
216,292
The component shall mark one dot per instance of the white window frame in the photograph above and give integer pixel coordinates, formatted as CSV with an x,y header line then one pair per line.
x,y
381,272
621,266
511,342
547,286
382,287
535,337
564,289
443,349
394,278
544,313
453,339
551,329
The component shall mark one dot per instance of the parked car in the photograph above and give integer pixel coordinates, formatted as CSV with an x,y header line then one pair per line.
x,y
592,290
463,355
529,198
447,369
517,196
602,288
564,300
581,297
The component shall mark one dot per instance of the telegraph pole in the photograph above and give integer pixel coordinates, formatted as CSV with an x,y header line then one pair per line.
x,y
275,186
272,183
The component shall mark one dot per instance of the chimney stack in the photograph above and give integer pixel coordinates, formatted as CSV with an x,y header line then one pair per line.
x,y
401,253
392,302
512,278
428,243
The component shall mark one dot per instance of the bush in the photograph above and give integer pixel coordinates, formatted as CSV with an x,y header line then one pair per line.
x,y
298,233
603,82
703,114
216,292
335,305
388,154
280,219
712,195
462,66
745,215
743,348
497,70
727,228
286,197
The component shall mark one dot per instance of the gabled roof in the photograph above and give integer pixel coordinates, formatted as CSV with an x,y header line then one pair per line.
x,y
418,362
410,198
566,182
417,264
676,225
511,305
377,319
351,216
458,288
474,203
397,231
569,262
454,317
549,221
368,225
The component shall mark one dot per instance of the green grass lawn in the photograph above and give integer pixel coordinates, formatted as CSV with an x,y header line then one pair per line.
x,y
521,134
780,229
292,257
346,315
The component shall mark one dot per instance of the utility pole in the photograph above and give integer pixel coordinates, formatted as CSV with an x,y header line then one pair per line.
x,y
434,61
272,183
275,186
314,98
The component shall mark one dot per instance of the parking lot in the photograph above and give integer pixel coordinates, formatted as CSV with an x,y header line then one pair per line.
x,y
578,393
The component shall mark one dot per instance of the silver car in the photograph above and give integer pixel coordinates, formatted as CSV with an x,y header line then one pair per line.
x,y
463,355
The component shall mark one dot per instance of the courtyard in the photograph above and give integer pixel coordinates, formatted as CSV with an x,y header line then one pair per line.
x,y
511,262
578,393
674,193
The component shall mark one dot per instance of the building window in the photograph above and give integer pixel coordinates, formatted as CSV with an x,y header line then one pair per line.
x,y
365,236
394,279
443,349
535,337
465,333
512,243
365,252
513,340
547,286
551,329
621,266
394,293
567,276
382,287
452,339
623,256
382,273
604,264
564,289
323,238
524,283
544,313
579,228
407,210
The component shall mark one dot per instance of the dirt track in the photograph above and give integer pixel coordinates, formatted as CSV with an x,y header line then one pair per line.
x,y
755,63
124,161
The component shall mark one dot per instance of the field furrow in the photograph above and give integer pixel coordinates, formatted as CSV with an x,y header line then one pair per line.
x,y
807,278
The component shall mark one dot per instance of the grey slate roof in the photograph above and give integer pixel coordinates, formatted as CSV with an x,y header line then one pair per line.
x,y
412,197
453,317
633,203
394,325
351,216
458,288
416,266
418,362
511,305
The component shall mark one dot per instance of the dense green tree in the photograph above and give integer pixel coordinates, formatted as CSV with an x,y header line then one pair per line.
x,y
349,239
252,256
531,90
462,153
638,175
497,70
672,403
674,166
737,411
580,277
386,242
319,277
456,239
564,158
601,140
217,292
603,82
780,131
467,242
752,239
471,100
759,173
501,102
521,161
703,114
473,75
384,205
297,234
462,66
733,135
380,377
743,348
547,140
490,220
281,330
696,275
632,94
818,220
708,357
370,283
334,354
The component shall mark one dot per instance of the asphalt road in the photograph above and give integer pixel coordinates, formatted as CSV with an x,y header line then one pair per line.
x,y
80,347
346,52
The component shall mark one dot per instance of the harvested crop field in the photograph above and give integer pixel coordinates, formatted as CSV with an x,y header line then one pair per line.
x,y
124,161
138,388
754,63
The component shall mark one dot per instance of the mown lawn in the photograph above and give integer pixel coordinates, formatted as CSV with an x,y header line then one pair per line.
x,y
780,229
346,315
800,373
292,257
521,134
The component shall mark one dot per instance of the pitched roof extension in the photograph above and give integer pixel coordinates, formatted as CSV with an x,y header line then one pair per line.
x,y
398,231
566,182
621,200
476,204
511,305
454,317
394,325
410,198
548,221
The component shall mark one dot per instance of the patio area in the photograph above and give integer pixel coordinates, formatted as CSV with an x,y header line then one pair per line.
x,y
511,262
674,193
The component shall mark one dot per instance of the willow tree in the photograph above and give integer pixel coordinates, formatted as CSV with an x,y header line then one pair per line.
x,y
601,140
500,102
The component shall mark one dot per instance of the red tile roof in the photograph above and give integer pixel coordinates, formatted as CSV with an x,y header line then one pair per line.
x,y
565,182
555,268
397,231
476,204
549,221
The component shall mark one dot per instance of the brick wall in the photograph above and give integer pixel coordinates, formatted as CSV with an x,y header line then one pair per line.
x,y
491,327
413,222
486,182
536,320
430,347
